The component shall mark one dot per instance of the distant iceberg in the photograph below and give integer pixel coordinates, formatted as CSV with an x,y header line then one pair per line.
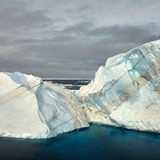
x,y
31,108
126,91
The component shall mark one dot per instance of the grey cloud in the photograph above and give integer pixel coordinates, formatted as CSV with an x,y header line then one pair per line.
x,y
47,67
82,27
53,39
83,8
77,57
4,40
25,20
15,18
126,33
62,20
88,33
75,32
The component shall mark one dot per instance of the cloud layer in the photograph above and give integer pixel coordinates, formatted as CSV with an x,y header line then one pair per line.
x,y
71,40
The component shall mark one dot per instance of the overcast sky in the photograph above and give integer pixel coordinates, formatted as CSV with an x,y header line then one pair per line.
x,y
72,38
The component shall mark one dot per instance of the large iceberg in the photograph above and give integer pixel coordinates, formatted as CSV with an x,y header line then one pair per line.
x,y
126,91
31,108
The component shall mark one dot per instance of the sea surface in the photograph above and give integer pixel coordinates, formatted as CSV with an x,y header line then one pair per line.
x,y
72,84
98,142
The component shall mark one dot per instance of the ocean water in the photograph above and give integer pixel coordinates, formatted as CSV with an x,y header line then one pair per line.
x,y
70,83
95,143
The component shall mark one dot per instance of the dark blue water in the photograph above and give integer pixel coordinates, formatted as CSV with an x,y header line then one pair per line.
x,y
70,84
95,143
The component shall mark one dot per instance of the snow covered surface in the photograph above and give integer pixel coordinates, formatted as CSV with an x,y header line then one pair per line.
x,y
126,91
30,108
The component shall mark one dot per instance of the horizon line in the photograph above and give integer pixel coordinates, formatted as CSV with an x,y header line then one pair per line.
x,y
48,78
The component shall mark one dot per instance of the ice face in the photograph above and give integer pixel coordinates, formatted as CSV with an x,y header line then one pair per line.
x,y
30,108
125,91
59,109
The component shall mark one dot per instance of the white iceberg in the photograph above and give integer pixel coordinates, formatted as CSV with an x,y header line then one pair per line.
x,y
126,91
31,108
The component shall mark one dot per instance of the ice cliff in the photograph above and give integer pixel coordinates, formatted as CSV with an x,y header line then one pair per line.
x,y
126,91
31,108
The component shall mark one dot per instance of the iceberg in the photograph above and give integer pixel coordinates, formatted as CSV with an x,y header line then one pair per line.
x,y
126,91
31,108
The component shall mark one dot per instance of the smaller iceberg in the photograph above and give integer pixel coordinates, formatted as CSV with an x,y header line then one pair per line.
x,y
31,108
126,91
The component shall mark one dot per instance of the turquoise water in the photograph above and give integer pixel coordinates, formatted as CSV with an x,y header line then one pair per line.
x,y
95,143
